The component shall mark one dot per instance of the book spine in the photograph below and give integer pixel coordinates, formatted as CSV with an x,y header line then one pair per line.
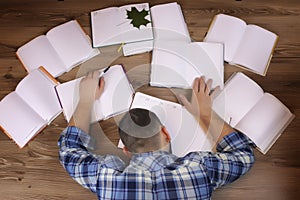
x,y
248,69
44,71
4,131
37,132
270,57
55,88
264,151
81,27
22,63
210,26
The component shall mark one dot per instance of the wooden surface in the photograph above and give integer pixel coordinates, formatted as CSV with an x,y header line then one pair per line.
x,y
34,172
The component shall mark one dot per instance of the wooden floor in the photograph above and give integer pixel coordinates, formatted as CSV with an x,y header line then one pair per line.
x,y
34,172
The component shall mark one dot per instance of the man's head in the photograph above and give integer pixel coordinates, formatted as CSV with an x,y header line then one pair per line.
x,y
141,131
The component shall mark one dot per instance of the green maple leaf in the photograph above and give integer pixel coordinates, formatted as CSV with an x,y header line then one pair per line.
x,y
137,18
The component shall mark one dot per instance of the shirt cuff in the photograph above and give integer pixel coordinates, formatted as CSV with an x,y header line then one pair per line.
x,y
234,140
74,137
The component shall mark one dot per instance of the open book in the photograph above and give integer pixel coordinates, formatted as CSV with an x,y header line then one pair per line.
x,y
61,49
30,108
168,25
168,22
246,107
116,25
247,46
186,134
116,97
177,64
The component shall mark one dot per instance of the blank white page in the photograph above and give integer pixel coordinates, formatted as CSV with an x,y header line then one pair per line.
x,y
168,22
70,42
134,48
265,121
198,138
177,64
227,30
38,91
208,59
237,98
106,26
168,69
39,52
256,48
68,94
18,119
215,54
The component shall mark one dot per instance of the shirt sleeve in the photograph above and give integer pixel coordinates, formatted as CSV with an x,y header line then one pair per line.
x,y
83,166
234,157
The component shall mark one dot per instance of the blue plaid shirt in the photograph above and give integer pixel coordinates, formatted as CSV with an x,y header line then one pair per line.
x,y
155,175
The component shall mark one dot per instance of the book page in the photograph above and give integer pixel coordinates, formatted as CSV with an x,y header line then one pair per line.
x,y
180,124
106,32
255,49
38,91
237,98
117,95
39,52
168,22
177,64
208,60
168,69
227,30
120,28
134,48
265,121
200,141
131,29
215,53
18,119
68,94
70,42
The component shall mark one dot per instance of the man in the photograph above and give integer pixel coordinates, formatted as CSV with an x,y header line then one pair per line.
x,y
153,172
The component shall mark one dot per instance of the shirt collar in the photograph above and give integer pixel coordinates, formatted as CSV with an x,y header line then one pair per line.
x,y
152,161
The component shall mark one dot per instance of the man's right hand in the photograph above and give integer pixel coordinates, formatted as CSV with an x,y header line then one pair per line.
x,y
91,87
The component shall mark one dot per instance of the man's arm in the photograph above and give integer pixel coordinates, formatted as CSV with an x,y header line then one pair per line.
x,y
201,107
89,91
83,166
234,155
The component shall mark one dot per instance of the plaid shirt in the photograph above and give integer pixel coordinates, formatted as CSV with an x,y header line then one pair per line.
x,y
155,175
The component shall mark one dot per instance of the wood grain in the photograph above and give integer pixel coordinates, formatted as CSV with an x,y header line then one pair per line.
x,y
34,172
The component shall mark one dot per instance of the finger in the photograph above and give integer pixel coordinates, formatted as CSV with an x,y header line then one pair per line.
x,y
215,92
89,75
95,74
185,102
208,86
100,89
202,84
101,84
196,85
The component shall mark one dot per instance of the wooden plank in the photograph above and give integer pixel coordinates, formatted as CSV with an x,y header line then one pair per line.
x,y
34,172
